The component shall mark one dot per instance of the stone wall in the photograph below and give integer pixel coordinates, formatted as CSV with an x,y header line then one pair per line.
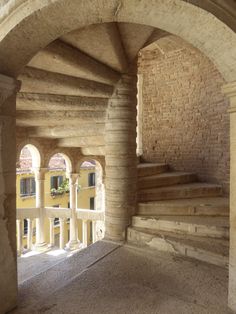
x,y
185,121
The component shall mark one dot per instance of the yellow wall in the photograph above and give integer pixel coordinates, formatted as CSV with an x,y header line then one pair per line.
x,y
83,199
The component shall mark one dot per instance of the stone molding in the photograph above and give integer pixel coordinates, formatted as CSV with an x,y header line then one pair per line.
x,y
8,87
73,177
68,99
40,173
229,90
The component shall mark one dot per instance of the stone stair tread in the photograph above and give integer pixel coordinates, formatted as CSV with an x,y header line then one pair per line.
x,y
166,178
150,165
181,187
148,169
216,246
191,202
193,220
166,174
202,206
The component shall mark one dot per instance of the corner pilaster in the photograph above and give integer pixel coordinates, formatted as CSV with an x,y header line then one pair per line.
x,y
8,90
230,91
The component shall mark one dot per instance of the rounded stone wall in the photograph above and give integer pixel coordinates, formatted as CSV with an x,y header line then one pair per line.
x,y
185,121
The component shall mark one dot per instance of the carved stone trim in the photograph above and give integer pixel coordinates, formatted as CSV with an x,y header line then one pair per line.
x,y
229,90
8,87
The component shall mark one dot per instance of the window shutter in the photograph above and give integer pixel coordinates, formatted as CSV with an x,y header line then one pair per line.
x,y
60,180
51,182
22,186
91,200
27,186
33,186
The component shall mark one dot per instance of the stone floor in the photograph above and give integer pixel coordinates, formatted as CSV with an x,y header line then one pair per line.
x,y
33,263
107,278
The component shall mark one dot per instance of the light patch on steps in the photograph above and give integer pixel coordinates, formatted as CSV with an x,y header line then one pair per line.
x,y
162,244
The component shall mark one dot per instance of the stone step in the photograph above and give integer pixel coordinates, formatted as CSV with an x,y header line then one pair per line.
x,y
180,191
213,251
149,169
211,206
166,179
215,227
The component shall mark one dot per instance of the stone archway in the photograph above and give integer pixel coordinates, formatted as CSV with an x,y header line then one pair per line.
x,y
27,27
25,30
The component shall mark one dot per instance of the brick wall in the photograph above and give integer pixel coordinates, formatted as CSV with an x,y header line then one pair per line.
x,y
185,121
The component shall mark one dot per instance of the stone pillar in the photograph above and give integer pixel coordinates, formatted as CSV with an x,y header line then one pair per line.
x,y
29,233
73,242
230,91
40,222
99,188
140,116
51,232
8,275
85,232
94,232
19,237
62,233
121,160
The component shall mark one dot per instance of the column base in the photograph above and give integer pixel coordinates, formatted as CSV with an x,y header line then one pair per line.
x,y
40,247
73,245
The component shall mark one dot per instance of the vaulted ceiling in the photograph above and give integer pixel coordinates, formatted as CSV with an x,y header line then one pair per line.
x,y
66,86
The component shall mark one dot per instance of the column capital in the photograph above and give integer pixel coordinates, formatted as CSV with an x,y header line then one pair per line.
x,y
229,90
40,173
8,87
72,177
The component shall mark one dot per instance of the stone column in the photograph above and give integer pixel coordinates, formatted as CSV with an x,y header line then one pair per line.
x,y
121,160
230,91
99,189
85,232
19,237
29,233
8,275
140,116
40,222
51,232
62,233
94,232
73,242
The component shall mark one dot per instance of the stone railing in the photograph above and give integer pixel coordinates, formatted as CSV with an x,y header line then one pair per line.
x,y
63,215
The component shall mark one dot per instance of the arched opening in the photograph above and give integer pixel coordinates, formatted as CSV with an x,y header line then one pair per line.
x,y
26,192
176,17
57,200
91,197
173,17
29,160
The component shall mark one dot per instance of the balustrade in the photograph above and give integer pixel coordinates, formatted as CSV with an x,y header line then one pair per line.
x,y
50,213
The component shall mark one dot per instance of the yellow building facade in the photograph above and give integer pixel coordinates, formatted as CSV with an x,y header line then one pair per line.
x,y
25,187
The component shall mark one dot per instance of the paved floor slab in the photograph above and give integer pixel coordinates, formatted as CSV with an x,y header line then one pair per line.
x,y
126,280
34,263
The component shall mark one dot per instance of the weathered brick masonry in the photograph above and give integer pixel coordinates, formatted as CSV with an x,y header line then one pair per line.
x,y
185,119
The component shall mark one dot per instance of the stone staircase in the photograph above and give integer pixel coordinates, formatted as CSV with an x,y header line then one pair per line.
x,y
178,214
